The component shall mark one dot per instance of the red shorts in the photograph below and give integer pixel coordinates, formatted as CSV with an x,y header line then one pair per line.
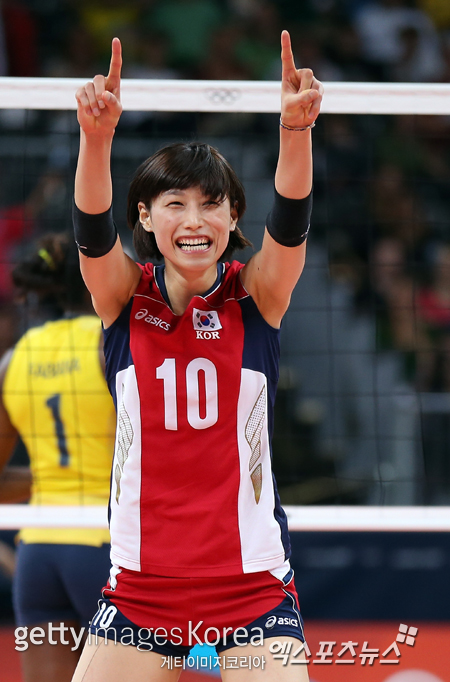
x,y
188,611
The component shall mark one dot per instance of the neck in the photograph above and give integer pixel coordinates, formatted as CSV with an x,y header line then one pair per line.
x,y
181,287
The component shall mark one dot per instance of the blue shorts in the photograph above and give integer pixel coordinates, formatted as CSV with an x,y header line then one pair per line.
x,y
171,615
55,583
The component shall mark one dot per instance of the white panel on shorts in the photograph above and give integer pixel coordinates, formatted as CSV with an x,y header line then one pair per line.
x,y
125,522
260,533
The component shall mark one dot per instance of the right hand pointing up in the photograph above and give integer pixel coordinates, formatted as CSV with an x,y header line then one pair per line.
x,y
99,106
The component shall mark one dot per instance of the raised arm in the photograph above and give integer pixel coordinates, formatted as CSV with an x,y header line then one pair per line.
x,y
273,272
111,277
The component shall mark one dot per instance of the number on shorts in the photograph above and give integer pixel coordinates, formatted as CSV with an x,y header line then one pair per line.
x,y
104,616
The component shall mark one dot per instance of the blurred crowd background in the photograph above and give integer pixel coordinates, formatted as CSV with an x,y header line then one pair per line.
x,y
363,410
345,40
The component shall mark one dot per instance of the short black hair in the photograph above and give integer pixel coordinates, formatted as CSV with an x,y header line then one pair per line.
x,y
52,271
179,166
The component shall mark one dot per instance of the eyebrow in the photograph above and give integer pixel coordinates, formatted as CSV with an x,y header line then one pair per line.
x,y
175,191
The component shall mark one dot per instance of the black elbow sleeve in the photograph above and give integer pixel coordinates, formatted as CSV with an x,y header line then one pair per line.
x,y
288,221
95,234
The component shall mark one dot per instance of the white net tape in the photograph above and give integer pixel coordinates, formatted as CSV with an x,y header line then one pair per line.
x,y
300,518
230,96
238,96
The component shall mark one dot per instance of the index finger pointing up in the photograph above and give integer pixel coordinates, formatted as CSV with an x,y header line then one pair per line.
x,y
287,58
115,68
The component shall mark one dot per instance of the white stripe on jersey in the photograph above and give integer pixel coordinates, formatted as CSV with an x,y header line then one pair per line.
x,y
283,573
260,533
125,501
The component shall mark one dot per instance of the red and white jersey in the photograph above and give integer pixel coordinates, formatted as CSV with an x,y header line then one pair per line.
x,y
192,487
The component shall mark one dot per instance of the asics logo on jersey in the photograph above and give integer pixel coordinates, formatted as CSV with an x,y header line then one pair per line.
x,y
151,319
206,324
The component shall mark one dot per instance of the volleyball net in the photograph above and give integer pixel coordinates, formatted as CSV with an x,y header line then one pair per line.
x,y
362,423
261,97
300,518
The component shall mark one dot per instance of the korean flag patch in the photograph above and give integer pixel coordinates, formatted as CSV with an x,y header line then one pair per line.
x,y
206,320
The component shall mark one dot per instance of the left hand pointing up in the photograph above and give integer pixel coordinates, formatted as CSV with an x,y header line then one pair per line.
x,y
301,93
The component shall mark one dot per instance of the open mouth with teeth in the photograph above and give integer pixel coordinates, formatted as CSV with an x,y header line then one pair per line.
x,y
195,244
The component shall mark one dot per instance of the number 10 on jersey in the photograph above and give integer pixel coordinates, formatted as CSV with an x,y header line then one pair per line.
x,y
167,372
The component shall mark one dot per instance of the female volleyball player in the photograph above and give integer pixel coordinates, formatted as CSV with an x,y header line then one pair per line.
x,y
53,393
199,541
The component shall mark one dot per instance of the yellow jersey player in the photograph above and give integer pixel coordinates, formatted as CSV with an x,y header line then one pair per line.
x,y
55,397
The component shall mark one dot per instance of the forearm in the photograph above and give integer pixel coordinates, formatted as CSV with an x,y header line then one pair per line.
x,y
110,275
93,184
15,485
293,177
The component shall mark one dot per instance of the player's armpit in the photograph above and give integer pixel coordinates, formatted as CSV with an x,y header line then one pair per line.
x,y
270,277
112,280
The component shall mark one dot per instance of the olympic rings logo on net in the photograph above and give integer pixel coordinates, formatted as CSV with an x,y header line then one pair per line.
x,y
222,95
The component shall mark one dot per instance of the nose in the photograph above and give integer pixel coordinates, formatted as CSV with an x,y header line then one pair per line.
x,y
193,217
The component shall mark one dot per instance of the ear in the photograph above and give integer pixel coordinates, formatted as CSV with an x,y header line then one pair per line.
x,y
144,217
234,218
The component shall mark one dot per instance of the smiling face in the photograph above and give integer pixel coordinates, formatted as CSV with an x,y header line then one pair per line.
x,y
191,229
